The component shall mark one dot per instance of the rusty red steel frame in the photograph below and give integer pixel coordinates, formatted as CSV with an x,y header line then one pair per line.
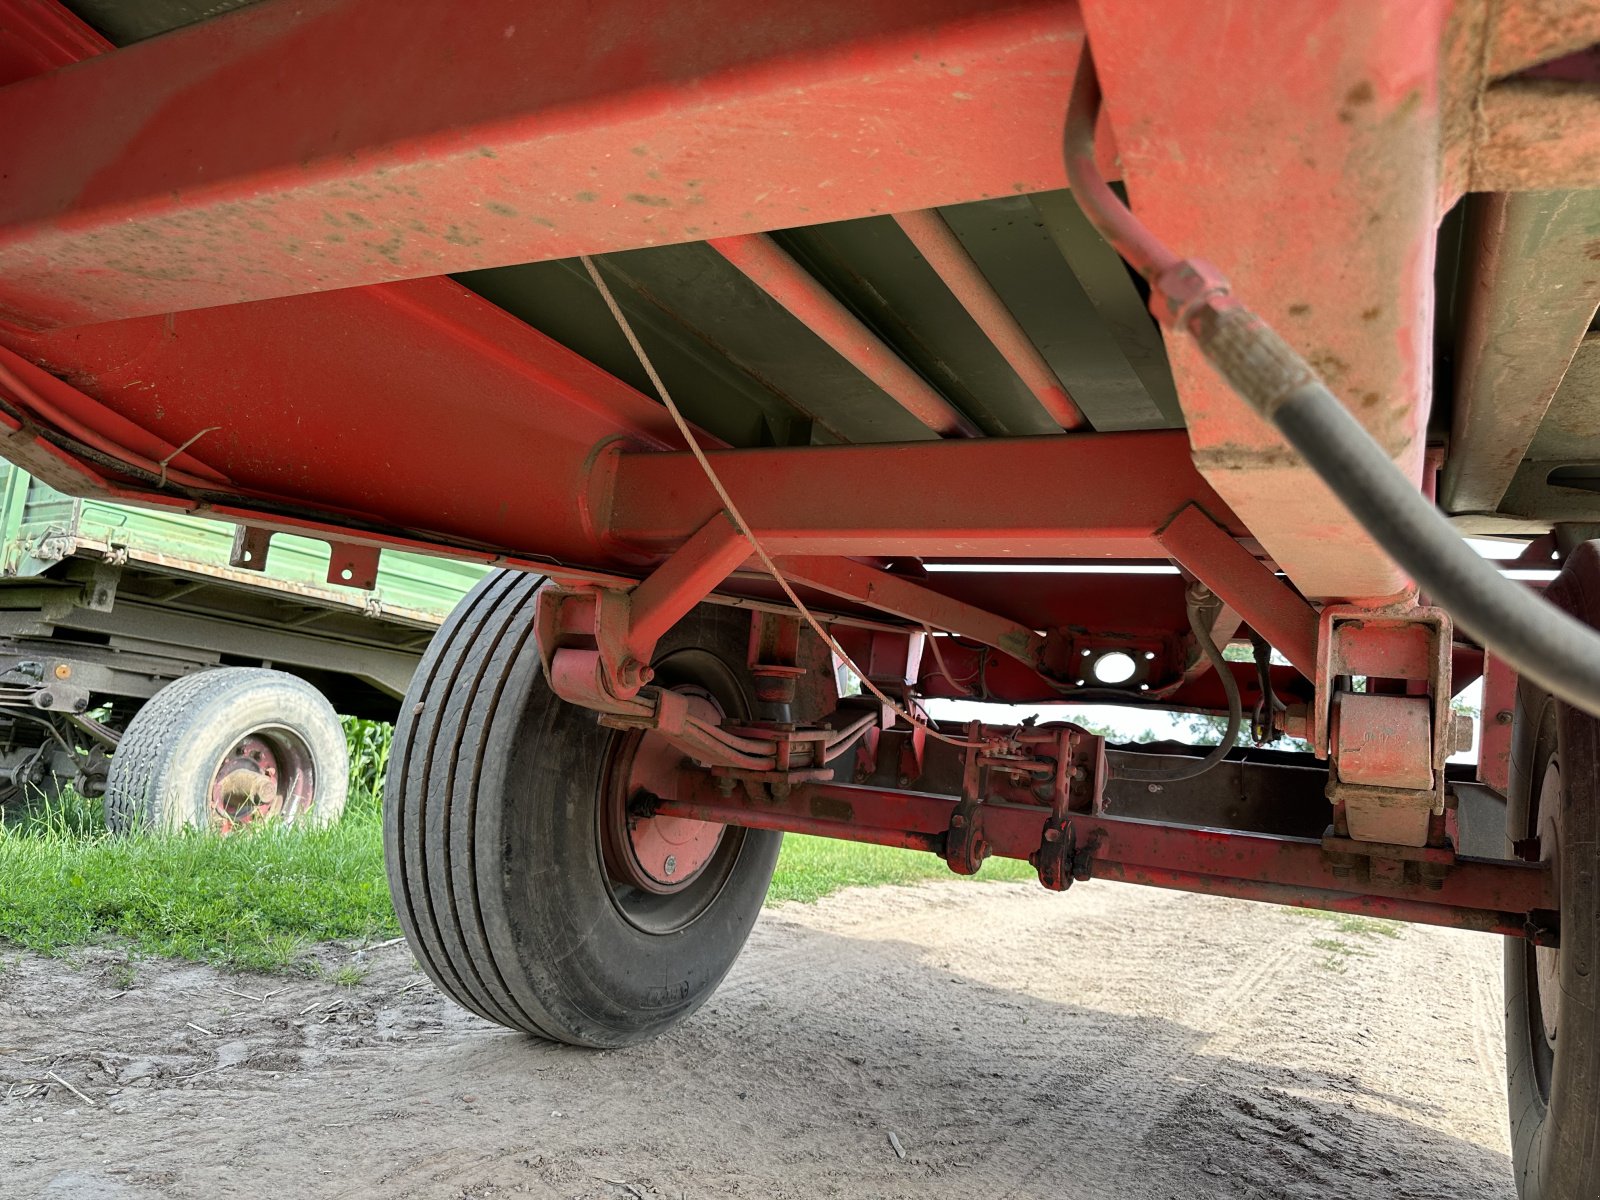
x,y
1487,895
193,261
225,186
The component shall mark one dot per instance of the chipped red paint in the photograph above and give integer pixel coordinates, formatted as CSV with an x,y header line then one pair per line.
x,y
1475,894
202,168
1312,179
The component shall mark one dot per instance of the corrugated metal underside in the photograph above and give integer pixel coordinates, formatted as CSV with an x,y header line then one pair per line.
x,y
746,370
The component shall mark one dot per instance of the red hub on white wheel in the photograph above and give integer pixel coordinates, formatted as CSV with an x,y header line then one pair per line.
x,y
266,774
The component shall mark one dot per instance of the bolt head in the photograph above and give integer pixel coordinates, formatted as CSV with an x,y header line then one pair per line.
x,y
958,822
1503,717
670,865
1052,835
633,673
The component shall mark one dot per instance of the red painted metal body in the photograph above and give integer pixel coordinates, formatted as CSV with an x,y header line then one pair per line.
x,y
786,281
937,243
1485,895
1498,712
1341,103
990,498
205,168
223,288
1272,608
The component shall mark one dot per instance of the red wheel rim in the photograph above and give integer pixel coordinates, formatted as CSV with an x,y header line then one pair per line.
x,y
661,855
265,774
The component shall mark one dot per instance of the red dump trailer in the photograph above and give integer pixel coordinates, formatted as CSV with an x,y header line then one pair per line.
x,y
1021,351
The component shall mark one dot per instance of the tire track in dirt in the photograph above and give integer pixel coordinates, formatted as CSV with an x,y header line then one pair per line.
x,y
1110,1044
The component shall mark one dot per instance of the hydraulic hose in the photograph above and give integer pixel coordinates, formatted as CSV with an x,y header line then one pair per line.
x,y
1555,650
1201,616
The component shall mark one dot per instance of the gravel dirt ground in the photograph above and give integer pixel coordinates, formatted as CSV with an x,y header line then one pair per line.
x,y
1111,1043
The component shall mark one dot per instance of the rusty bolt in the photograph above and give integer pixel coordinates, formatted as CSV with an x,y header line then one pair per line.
x,y
1052,835
63,671
905,781
633,673
957,821
1503,717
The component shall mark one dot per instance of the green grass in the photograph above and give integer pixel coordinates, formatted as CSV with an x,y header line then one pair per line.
x,y
810,868
258,900
252,901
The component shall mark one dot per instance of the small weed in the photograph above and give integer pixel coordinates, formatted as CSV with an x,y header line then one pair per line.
x,y
347,976
1353,923
1339,953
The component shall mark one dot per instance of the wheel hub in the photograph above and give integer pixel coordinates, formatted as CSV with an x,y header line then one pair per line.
x,y
1547,959
657,854
261,777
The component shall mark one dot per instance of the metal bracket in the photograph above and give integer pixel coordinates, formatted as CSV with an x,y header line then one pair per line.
x,y
100,595
352,565
1076,788
964,844
1386,749
1056,857
622,627
251,544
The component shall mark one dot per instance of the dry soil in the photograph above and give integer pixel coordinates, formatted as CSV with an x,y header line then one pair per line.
x,y
1109,1044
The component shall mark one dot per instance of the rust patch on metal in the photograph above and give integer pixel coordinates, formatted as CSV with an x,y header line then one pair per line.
x,y
832,808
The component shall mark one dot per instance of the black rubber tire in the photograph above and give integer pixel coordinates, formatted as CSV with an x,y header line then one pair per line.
x,y
162,770
491,834
1554,1092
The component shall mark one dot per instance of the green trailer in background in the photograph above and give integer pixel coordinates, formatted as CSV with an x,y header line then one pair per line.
x,y
137,660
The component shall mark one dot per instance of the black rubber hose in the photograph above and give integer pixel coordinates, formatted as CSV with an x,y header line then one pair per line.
x,y
1558,652
1200,623
1555,650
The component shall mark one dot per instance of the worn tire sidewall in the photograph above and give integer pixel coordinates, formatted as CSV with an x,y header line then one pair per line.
x,y
1554,1146
177,786
616,984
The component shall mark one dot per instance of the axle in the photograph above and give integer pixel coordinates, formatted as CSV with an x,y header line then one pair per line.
x,y
1511,898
